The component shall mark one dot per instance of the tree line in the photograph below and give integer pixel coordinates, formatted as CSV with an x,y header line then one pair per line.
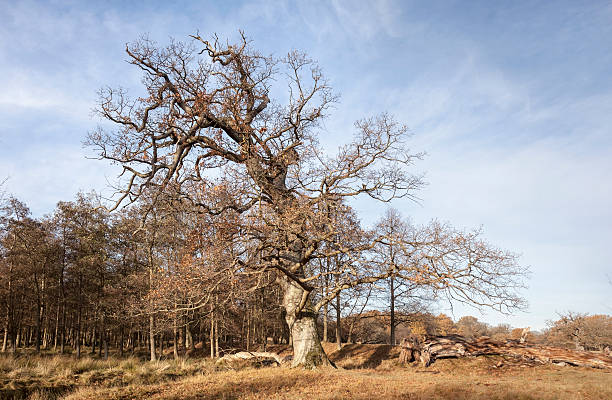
x,y
82,277
83,280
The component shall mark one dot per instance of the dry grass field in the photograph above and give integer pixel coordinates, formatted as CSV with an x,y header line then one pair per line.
x,y
366,372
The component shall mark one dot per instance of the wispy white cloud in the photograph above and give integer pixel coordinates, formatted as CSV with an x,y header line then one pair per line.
x,y
31,91
366,19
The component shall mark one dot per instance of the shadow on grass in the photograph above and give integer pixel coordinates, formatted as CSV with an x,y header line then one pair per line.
x,y
21,390
354,356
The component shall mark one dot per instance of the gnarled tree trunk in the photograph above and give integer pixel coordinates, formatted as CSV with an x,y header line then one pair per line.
x,y
301,318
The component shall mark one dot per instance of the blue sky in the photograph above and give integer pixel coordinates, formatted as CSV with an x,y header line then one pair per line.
x,y
512,102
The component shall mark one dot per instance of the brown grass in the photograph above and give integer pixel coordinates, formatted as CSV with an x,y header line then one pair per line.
x,y
367,372
410,383
50,377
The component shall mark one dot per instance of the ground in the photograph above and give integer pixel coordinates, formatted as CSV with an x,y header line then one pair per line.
x,y
365,372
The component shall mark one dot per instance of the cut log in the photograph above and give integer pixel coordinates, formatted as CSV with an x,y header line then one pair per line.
x,y
455,346
260,356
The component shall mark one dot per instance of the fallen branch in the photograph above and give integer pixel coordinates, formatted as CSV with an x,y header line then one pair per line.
x,y
455,346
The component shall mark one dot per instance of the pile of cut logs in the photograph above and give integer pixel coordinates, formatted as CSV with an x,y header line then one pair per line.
x,y
435,347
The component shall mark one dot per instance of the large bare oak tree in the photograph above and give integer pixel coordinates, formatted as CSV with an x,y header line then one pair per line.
x,y
207,124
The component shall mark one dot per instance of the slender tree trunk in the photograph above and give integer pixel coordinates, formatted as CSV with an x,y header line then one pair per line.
x,y
243,331
307,349
161,345
4,339
40,311
6,329
102,334
72,332
37,334
217,337
57,322
14,340
325,310
212,333
202,334
46,336
152,337
338,323
392,293
78,334
10,311
45,329
105,336
189,336
121,341
183,338
338,308
63,331
93,339
175,347
248,327
151,325
324,292
263,331
63,293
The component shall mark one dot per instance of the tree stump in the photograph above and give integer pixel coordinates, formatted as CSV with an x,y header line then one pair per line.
x,y
411,349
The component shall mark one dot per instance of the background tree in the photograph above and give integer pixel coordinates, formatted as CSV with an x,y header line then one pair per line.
x,y
503,332
581,331
393,255
85,228
445,325
471,328
14,264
